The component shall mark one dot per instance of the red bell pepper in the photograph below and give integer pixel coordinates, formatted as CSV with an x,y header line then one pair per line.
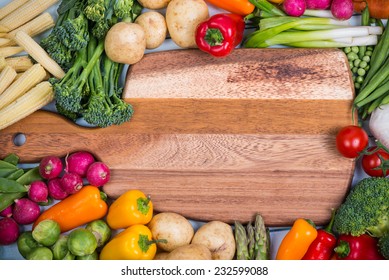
x,y
363,247
220,34
322,248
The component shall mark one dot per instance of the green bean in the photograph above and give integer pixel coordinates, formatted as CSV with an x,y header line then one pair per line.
x,y
11,186
375,82
366,22
375,104
378,57
376,93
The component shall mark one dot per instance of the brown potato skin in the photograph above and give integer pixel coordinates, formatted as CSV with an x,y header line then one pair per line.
x,y
190,252
154,4
154,25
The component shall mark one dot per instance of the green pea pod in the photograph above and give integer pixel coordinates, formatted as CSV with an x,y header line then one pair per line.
x,y
11,186
6,199
16,174
29,176
12,159
5,172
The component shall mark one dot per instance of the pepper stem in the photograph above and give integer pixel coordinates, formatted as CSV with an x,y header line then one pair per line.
x,y
328,228
214,37
343,249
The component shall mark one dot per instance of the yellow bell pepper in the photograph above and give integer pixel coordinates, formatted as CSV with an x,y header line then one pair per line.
x,y
297,241
131,208
133,243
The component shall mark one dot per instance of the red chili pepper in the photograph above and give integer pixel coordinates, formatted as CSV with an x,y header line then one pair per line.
x,y
220,34
363,247
322,248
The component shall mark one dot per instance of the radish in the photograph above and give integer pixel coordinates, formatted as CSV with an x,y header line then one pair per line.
x,y
342,9
38,191
318,4
50,167
55,189
79,163
294,8
71,183
9,231
25,211
7,212
98,174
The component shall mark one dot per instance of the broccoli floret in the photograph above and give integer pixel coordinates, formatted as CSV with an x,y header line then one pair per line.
x,y
75,33
67,114
365,209
95,10
57,50
383,245
123,8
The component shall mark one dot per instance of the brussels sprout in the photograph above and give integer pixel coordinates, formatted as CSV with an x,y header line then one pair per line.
x,y
46,232
26,243
40,253
60,249
93,256
81,242
101,231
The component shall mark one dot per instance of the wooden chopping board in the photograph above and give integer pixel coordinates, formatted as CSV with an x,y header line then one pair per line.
x,y
220,138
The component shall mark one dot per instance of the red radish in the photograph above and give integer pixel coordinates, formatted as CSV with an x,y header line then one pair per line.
x,y
7,212
98,174
79,163
318,4
294,8
50,167
71,183
55,189
25,211
38,191
342,9
9,231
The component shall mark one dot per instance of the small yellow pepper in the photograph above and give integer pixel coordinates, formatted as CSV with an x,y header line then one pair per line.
x,y
296,242
133,243
131,208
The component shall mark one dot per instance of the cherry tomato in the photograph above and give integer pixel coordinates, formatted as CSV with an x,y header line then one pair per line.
x,y
372,161
351,140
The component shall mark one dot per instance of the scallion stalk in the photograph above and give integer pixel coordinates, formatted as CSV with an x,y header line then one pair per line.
x,y
336,43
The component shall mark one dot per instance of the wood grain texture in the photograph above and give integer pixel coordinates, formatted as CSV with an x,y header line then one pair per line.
x,y
219,156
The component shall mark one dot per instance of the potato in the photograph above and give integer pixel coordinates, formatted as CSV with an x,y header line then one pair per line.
x,y
182,18
161,255
218,237
154,4
154,25
190,252
125,43
173,227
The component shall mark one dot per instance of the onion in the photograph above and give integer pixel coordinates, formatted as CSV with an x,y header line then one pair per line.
x,y
379,124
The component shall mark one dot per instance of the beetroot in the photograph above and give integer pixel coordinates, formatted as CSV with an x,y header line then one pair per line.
x,y
342,9
318,4
71,183
38,191
79,163
98,174
294,8
25,211
55,189
50,167
7,212
9,231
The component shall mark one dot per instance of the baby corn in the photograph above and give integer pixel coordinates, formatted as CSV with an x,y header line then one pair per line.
x,y
7,76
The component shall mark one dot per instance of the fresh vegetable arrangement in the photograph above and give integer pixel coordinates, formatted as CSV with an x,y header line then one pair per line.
x,y
77,65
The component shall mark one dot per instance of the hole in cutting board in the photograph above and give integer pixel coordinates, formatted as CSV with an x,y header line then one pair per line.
x,y
19,139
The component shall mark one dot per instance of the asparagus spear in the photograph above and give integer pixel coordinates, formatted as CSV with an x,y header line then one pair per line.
x,y
262,239
241,242
251,241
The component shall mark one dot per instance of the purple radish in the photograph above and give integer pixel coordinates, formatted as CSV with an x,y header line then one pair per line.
x,y
38,191
55,189
342,9
25,211
294,8
7,212
71,183
98,174
79,163
318,4
50,167
9,231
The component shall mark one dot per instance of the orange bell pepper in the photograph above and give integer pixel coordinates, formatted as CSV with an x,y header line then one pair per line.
x,y
297,241
84,206
240,7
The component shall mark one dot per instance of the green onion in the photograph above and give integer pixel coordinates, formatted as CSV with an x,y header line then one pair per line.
x,y
336,43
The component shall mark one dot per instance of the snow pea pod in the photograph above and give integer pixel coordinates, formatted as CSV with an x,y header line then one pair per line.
x,y
11,186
